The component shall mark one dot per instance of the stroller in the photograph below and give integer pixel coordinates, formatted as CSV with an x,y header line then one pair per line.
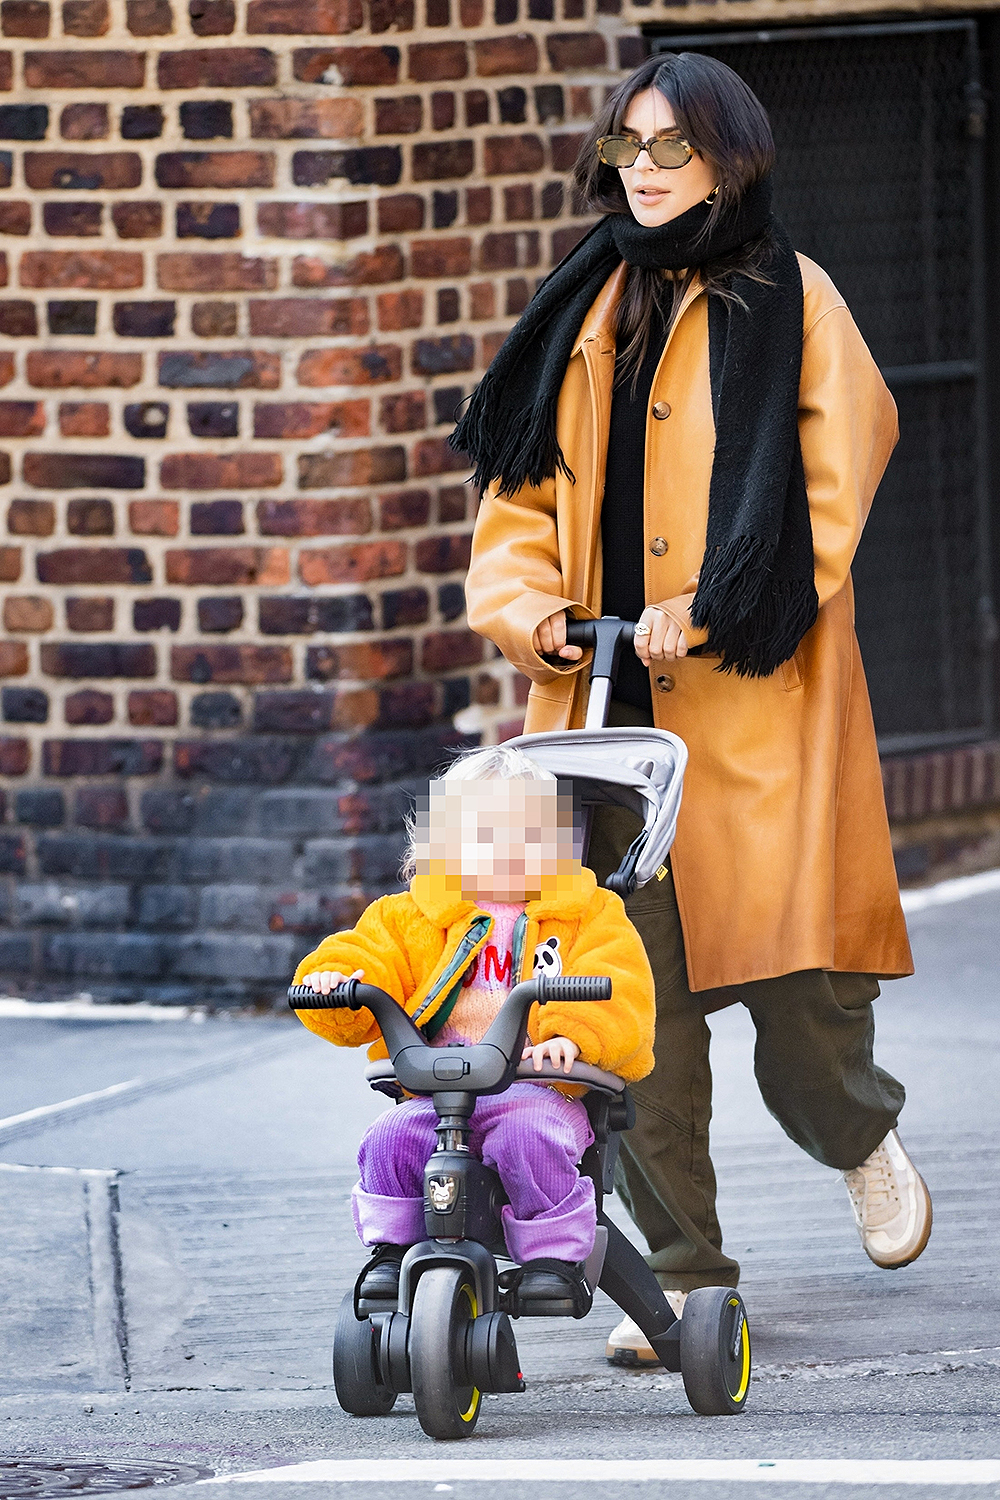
x,y
449,1336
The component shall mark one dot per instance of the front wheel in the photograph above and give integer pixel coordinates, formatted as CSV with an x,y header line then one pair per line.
x,y
444,1305
715,1351
356,1376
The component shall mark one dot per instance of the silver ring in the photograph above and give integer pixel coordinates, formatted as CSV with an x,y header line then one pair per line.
x,y
642,628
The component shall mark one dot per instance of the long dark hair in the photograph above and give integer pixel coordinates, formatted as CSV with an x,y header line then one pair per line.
x,y
725,123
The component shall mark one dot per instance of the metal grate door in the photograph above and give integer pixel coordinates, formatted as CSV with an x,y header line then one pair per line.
x,y
878,130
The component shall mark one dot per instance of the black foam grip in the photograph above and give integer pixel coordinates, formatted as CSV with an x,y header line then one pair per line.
x,y
304,997
590,987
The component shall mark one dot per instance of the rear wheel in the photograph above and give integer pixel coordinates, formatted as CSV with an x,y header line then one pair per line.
x,y
356,1377
444,1305
715,1351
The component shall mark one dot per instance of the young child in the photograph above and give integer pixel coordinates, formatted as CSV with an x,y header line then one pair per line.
x,y
496,893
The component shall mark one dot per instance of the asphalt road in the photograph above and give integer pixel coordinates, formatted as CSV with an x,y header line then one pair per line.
x,y
173,1254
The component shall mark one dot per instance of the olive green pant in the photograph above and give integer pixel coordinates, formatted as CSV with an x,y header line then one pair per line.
x,y
813,1063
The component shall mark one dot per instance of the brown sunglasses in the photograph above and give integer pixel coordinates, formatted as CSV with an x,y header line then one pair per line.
x,y
624,151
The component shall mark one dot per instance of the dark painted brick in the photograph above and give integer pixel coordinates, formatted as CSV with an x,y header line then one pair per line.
x,y
167,908
146,419
142,122
66,471
156,614
364,164
89,707
299,712
217,518
103,857
15,953
216,711
243,761
404,607
451,600
104,757
302,616
215,419
97,659
105,955
24,705
101,807
208,221
23,122
144,320
94,565
206,119
167,811
444,355
72,318
12,854
40,807
217,616
90,518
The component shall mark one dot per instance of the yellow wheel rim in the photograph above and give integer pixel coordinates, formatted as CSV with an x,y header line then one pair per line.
x,y
739,1395
477,1395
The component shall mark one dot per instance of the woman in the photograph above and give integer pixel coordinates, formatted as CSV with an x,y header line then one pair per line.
x,y
685,428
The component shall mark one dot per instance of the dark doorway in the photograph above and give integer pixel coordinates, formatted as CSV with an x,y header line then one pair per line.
x,y
879,133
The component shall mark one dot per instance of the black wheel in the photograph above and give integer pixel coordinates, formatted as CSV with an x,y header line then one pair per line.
x,y
715,1351
356,1377
443,1307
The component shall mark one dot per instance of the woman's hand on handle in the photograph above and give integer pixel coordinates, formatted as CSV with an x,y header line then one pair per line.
x,y
549,639
664,641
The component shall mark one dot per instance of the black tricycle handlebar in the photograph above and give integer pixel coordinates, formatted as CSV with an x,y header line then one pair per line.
x,y
487,1067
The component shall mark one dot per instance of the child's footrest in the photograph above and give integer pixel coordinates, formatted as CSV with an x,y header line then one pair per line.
x,y
546,1288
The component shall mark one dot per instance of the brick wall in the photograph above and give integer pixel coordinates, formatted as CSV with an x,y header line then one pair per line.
x,y
253,254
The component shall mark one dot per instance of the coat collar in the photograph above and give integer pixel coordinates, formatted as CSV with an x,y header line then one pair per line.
x,y
574,889
599,324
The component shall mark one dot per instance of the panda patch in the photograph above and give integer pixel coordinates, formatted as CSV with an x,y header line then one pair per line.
x,y
547,963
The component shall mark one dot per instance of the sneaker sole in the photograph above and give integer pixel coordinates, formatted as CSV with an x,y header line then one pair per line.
x,y
629,1359
912,1255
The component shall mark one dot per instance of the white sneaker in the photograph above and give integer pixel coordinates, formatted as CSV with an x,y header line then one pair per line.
x,y
628,1345
892,1207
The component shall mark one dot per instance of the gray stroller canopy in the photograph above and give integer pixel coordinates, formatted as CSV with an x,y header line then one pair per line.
x,y
641,769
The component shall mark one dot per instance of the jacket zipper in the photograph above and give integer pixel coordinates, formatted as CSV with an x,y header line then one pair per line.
x,y
476,934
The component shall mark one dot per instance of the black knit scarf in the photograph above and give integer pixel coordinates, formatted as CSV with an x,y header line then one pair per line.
x,y
757,594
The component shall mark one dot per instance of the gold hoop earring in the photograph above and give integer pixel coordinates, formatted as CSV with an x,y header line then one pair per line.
x,y
714,193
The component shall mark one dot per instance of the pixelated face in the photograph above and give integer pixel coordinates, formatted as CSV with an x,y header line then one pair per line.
x,y
499,840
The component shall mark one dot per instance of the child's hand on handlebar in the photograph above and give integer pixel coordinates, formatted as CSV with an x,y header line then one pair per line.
x,y
560,1051
329,979
549,638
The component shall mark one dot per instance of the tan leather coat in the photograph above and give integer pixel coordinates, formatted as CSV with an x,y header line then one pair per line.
x,y
782,860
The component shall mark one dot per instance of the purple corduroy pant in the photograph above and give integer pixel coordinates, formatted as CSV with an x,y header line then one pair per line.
x,y
531,1135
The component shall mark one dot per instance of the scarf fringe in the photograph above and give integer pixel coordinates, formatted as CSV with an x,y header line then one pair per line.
x,y
527,452
753,639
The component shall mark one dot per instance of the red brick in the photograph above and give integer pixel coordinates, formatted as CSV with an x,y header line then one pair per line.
x,y
149,17
231,663
152,708
56,470
84,419
576,49
400,212
359,563
88,706
6,71
442,110
85,17
84,69
443,554
368,366
137,221
443,650
207,169
217,68
372,268
221,471
519,201
97,270
214,320
56,369
226,566
405,412
90,613
361,661
90,518
13,658
10,564
346,65
15,756
84,122
441,161
499,55
306,419
243,369
479,205
397,310
434,456
212,17
386,13
402,115
430,62
313,221
452,503
193,271
314,517
94,565
402,509
21,418
350,467
25,18
303,17
27,613
305,119
15,218
564,240
440,257
308,317
77,219
154,517
31,518
506,154
509,249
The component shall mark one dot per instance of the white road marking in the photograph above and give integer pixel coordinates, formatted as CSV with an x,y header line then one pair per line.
x,y
616,1471
12,1008
948,891
65,1106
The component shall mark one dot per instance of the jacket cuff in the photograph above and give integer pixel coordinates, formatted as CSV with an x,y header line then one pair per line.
x,y
679,610
522,618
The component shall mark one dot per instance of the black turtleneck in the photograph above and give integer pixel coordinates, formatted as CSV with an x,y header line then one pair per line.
x,y
622,511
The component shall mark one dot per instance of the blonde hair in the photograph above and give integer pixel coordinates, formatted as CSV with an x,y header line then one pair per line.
x,y
490,763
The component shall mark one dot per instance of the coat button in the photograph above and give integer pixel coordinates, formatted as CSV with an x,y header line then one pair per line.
x,y
665,683
661,410
658,546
